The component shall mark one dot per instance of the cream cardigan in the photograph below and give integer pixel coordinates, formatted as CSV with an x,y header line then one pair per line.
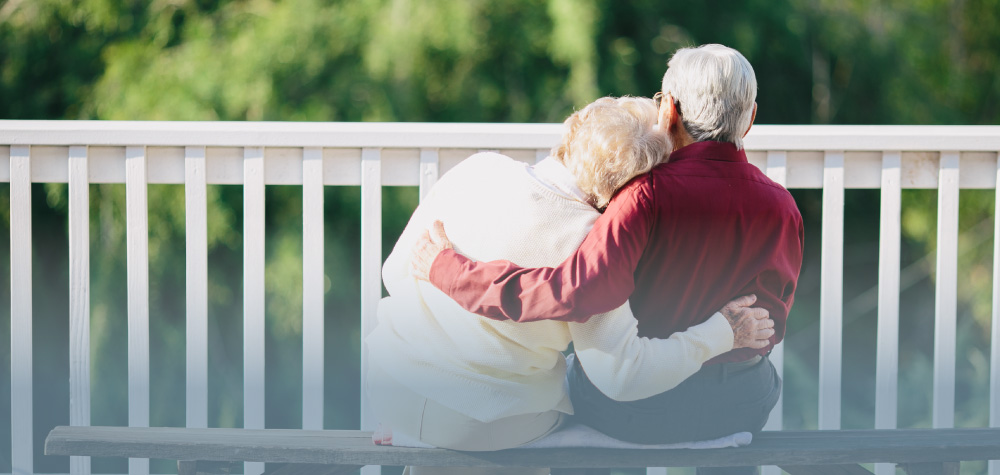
x,y
494,207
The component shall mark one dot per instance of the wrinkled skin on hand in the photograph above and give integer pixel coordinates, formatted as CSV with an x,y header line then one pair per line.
x,y
752,327
426,249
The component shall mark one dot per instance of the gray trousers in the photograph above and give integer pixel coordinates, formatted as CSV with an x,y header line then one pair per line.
x,y
716,401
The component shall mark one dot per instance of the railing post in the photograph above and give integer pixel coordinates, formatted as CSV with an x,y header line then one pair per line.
x,y
994,465
79,298
21,441
196,273
137,249
313,284
371,269
253,295
945,292
429,170
831,292
887,341
777,170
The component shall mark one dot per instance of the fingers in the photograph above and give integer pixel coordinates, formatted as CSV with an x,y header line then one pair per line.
x,y
424,252
763,334
755,313
438,235
744,301
753,329
732,309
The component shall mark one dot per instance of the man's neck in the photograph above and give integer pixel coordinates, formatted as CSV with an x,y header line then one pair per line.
x,y
680,138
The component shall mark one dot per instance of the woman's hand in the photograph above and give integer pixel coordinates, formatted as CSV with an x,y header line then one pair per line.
x,y
752,327
428,246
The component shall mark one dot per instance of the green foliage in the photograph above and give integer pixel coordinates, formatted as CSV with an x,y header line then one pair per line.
x,y
817,61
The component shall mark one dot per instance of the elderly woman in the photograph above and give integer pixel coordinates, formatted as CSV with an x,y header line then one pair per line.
x,y
440,376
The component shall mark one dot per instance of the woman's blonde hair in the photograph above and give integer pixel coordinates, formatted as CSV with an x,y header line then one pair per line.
x,y
609,142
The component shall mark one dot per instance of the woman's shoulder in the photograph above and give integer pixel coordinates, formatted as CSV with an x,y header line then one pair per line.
x,y
488,162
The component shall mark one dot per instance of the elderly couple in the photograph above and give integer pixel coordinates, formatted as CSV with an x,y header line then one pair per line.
x,y
672,296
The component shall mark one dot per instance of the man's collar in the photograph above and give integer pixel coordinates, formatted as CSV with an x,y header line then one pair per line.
x,y
709,150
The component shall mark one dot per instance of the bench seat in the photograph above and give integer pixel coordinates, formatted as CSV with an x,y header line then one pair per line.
x,y
798,452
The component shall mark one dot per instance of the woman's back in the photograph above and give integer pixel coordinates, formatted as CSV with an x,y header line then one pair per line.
x,y
494,208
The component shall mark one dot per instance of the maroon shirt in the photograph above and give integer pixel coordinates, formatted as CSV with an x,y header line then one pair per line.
x,y
678,244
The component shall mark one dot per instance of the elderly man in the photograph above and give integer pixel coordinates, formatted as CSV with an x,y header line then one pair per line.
x,y
681,241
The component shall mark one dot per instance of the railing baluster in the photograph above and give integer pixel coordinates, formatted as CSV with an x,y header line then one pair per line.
x,y
137,245
21,446
777,170
995,339
429,170
946,289
253,295
887,341
831,291
79,298
371,268
313,284
196,251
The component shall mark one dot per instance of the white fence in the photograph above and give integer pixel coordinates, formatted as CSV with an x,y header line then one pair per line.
x,y
375,154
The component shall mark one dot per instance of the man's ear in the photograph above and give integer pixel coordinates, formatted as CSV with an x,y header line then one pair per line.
x,y
753,116
668,114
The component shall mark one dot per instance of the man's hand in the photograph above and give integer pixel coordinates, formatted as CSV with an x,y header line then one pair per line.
x,y
430,244
752,327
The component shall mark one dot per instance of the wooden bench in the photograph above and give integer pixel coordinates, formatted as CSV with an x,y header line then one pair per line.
x,y
303,452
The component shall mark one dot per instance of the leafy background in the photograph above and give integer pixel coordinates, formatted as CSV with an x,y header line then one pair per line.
x,y
817,62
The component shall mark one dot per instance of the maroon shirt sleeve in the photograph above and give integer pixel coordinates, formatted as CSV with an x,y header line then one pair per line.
x,y
597,278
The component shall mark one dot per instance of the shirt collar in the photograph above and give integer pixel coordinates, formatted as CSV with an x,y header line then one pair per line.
x,y
710,150
554,175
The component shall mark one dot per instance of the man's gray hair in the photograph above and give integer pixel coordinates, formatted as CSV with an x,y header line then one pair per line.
x,y
716,89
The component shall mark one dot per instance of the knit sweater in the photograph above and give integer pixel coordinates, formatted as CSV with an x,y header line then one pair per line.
x,y
494,207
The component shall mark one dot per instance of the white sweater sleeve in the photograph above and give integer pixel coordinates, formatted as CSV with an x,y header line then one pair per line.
x,y
626,367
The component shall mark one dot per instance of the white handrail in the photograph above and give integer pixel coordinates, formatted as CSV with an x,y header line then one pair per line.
x,y
467,135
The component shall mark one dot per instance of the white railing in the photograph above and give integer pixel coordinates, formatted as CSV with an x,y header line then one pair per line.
x,y
371,155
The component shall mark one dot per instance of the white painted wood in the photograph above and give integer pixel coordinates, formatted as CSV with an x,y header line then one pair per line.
x,y
79,298
253,295
166,165
887,341
196,257
137,267
467,135
831,292
945,291
4,168
48,164
428,170
284,134
21,445
400,167
994,465
283,165
777,170
313,286
371,269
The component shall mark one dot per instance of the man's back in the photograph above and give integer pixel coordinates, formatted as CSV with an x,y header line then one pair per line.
x,y
720,229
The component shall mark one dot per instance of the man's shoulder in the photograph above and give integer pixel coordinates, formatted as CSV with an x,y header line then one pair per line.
x,y
639,188
682,180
